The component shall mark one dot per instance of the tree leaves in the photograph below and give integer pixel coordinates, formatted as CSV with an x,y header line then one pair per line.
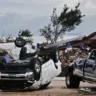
x,y
25,33
67,21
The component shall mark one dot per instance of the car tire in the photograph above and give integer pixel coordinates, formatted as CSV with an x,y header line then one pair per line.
x,y
36,66
44,86
20,42
72,81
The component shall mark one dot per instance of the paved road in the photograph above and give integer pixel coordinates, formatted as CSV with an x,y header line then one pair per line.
x,y
56,88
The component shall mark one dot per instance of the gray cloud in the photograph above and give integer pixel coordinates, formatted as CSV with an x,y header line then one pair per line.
x,y
88,7
34,14
11,23
34,7
88,26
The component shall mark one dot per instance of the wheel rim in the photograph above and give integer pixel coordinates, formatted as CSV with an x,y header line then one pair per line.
x,y
37,67
68,80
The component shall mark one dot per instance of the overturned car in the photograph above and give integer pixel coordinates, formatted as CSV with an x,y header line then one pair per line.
x,y
32,70
82,69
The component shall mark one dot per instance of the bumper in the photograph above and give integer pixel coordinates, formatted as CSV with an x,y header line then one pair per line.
x,y
27,77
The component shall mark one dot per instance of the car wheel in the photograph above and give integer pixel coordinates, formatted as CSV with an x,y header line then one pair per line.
x,y
44,86
36,66
72,81
20,42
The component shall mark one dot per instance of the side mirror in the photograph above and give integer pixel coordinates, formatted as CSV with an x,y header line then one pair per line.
x,y
20,42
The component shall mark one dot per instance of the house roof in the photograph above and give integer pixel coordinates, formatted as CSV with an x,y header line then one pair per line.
x,y
63,42
89,40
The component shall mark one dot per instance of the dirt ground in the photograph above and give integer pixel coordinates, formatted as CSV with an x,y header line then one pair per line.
x,y
56,88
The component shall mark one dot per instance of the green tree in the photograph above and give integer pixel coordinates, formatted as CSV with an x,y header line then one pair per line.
x,y
25,33
67,21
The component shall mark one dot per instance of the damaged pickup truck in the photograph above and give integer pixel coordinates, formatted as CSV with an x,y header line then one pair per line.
x,y
33,70
82,69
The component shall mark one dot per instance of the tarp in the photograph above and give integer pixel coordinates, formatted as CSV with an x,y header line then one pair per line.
x,y
7,45
15,51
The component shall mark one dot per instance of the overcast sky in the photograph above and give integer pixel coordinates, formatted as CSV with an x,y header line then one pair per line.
x,y
34,14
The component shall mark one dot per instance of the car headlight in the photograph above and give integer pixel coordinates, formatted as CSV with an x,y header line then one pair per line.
x,y
29,76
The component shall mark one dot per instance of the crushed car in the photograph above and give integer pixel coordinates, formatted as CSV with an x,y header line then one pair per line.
x,y
32,70
82,69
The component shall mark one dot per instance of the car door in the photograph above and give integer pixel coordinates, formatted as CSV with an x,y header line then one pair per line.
x,y
90,66
79,67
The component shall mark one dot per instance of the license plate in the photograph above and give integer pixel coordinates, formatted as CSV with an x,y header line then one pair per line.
x,y
12,75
